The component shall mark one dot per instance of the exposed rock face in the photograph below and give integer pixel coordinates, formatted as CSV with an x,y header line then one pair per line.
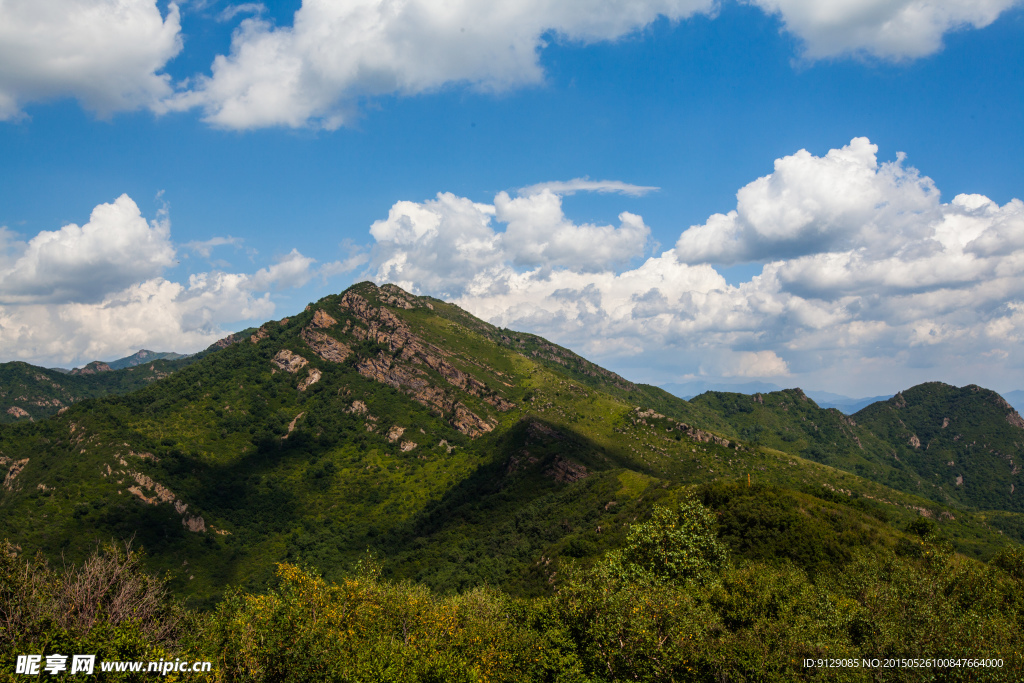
x,y
914,441
260,335
227,341
288,361
311,379
566,471
162,494
291,425
408,446
468,422
945,422
395,433
16,467
358,407
17,412
398,370
328,348
394,295
898,400
322,320
1014,418
91,369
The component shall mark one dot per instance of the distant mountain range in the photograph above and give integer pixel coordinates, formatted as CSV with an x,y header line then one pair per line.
x,y
824,399
143,356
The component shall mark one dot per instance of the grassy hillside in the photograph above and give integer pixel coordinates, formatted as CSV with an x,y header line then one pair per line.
x,y
462,453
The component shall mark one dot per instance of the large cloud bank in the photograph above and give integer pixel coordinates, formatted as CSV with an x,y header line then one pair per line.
x,y
110,54
99,291
106,53
865,267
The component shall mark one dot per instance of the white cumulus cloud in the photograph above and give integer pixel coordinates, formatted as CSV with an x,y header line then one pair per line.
x,y
107,53
337,52
868,277
451,245
886,29
100,291
84,263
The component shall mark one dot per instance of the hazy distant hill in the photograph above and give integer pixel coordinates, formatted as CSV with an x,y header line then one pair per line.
x,y
143,356
463,453
824,399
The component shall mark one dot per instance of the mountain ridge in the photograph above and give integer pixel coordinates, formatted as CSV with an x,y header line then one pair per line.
x,y
375,418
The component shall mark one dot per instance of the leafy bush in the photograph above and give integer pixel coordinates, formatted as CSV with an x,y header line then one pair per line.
x,y
675,545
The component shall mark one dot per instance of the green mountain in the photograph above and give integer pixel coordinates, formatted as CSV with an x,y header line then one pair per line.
x,y
959,446
29,393
462,453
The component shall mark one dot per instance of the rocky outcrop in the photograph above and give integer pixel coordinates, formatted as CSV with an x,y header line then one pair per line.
x,y
641,417
324,346
395,433
393,295
291,425
499,403
162,494
398,368
322,320
13,471
312,378
914,441
17,412
226,341
468,422
288,361
566,471
92,368
1014,418
259,336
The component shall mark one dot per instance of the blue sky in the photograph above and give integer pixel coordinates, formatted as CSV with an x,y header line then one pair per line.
x,y
242,188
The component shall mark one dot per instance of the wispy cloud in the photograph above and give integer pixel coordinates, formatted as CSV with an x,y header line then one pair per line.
x,y
232,11
568,187
205,247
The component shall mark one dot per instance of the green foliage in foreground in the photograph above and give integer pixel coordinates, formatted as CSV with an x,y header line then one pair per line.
x,y
671,605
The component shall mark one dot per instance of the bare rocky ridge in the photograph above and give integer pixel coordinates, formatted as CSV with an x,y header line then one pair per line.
x,y
399,370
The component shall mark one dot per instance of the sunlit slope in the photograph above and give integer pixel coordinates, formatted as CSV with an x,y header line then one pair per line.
x,y
464,453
